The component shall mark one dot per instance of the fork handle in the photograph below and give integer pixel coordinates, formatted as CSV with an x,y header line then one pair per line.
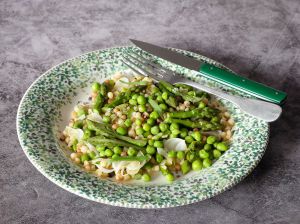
x,y
243,84
261,109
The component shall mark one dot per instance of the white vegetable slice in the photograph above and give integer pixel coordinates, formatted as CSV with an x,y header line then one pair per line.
x,y
176,144
81,118
104,170
120,85
162,152
94,117
74,134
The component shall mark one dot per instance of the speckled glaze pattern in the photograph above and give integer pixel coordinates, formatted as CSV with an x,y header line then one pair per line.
x,y
39,112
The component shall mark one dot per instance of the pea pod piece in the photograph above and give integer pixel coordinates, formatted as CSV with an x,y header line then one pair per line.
x,y
98,102
155,106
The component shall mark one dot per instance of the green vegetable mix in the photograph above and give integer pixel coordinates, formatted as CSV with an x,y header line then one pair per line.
x,y
143,127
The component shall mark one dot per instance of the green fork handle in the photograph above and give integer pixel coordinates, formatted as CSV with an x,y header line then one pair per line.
x,y
243,84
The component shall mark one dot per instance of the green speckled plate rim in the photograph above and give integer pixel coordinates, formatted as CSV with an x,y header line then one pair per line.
x,y
231,168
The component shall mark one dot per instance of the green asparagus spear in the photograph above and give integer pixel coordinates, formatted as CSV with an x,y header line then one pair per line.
x,y
140,83
105,130
123,97
103,90
176,92
202,124
131,158
186,114
100,140
171,102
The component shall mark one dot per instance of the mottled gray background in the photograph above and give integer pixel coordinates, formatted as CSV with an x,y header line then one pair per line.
x,y
259,39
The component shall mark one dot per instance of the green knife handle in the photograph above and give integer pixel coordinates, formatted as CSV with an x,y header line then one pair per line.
x,y
243,84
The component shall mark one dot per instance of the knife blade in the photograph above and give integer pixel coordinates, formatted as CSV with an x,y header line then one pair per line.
x,y
213,72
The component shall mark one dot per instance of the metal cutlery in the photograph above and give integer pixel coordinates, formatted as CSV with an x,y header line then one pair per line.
x,y
261,109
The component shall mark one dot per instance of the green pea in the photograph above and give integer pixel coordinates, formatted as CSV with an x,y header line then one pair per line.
x,y
81,112
134,96
108,152
84,157
95,86
151,142
215,144
216,153
222,146
175,132
183,132
100,148
207,162
174,126
137,176
106,119
180,155
207,147
117,150
211,139
155,90
154,115
151,121
163,127
139,131
146,134
146,127
191,156
96,111
92,155
173,136
142,108
159,99
115,156
121,130
197,135
163,106
87,134
131,152
158,144
189,139
197,165
203,154
102,154
146,177
185,167
215,120
141,100
165,95
172,154
202,105
170,177
127,123
159,158
150,150
132,102
138,122
154,130
74,146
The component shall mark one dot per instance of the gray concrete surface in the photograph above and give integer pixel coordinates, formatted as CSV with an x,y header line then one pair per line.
x,y
257,38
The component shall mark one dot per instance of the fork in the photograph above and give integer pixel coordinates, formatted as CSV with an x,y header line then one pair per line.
x,y
260,109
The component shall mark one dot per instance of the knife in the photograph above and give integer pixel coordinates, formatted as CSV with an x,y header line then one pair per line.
x,y
213,72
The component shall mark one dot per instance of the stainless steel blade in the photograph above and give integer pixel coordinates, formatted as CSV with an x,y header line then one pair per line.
x,y
168,55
